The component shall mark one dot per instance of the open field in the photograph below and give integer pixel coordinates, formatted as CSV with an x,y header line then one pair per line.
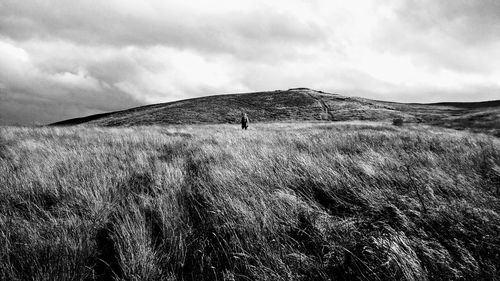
x,y
305,201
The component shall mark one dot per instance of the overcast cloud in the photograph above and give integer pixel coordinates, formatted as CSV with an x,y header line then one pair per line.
x,y
64,59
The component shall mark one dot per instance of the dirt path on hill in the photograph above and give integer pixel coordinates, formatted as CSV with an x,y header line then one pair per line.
x,y
323,104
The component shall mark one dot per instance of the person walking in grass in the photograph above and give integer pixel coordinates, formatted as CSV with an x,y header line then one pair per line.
x,y
244,121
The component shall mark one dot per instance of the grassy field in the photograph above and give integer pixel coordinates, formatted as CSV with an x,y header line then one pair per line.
x,y
315,201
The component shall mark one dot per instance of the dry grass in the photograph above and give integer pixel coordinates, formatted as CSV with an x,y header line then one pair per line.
x,y
343,201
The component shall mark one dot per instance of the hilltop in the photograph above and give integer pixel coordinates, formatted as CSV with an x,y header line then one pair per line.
x,y
296,105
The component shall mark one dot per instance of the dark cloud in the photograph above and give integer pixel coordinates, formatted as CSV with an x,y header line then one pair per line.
x,y
91,23
33,94
34,111
22,106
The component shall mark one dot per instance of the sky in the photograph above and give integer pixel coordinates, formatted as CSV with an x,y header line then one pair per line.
x,y
65,59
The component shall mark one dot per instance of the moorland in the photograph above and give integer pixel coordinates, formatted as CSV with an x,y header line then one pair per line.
x,y
301,105
346,200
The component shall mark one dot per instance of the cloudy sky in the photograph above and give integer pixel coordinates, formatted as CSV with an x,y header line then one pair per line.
x,y
64,59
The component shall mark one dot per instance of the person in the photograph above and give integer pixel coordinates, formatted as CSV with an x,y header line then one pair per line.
x,y
244,121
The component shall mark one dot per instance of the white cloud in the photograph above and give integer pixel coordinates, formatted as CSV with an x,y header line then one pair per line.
x,y
98,56
80,80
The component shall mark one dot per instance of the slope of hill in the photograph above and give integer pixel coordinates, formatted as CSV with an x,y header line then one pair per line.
x,y
477,117
299,104
292,105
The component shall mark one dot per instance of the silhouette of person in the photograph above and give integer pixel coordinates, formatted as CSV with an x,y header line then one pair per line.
x,y
244,121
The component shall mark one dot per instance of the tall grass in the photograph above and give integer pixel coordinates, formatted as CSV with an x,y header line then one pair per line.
x,y
344,201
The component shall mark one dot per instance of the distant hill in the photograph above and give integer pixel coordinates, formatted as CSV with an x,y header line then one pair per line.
x,y
481,104
299,104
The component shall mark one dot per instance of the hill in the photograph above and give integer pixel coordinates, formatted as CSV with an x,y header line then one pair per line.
x,y
300,104
282,201
291,105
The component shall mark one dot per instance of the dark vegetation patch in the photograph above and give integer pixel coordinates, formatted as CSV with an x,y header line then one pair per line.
x,y
4,147
106,263
140,183
173,150
397,122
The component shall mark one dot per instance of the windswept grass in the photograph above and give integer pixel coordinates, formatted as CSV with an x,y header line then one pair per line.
x,y
344,201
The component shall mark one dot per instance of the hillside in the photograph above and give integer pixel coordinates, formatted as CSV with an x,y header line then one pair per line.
x,y
299,104
291,105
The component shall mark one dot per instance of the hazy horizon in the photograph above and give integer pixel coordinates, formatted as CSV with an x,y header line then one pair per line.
x,y
61,60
